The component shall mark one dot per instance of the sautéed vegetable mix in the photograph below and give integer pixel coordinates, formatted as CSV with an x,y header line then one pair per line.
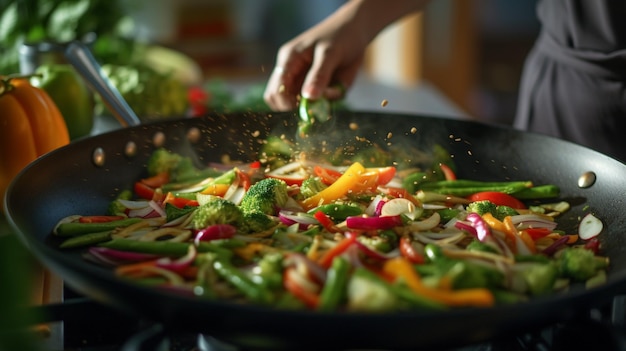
x,y
338,237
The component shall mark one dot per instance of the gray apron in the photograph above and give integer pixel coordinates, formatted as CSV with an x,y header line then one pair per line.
x,y
574,81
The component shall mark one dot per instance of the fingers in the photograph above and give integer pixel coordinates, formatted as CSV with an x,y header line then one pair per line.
x,y
283,86
319,76
329,76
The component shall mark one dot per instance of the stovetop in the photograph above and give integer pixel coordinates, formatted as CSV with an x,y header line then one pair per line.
x,y
80,324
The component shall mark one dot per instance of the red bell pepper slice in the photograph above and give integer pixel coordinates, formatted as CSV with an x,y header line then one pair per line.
x,y
157,181
99,219
325,221
385,174
244,180
498,198
144,191
537,233
593,244
408,251
310,299
327,175
400,193
288,179
448,173
327,259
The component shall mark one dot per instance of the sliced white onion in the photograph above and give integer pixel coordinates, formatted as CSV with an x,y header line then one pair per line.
x,y
401,206
177,221
298,217
525,221
158,209
134,205
427,224
236,196
286,169
67,219
590,226
232,188
371,208
292,205
141,212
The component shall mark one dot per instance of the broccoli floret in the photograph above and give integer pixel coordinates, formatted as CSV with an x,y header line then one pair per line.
x,y
579,263
254,222
115,207
179,168
466,275
368,292
265,196
540,278
486,206
270,270
312,186
461,274
503,211
481,207
218,211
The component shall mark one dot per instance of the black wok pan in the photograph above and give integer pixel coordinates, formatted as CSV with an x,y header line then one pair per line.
x,y
71,181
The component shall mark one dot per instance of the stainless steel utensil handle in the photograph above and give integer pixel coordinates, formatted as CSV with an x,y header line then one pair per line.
x,y
86,65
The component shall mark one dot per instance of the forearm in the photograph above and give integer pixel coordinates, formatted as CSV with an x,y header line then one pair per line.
x,y
372,16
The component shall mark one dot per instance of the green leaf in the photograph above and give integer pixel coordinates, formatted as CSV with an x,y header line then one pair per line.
x,y
9,24
65,20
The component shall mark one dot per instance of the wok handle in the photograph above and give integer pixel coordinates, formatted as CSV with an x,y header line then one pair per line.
x,y
86,65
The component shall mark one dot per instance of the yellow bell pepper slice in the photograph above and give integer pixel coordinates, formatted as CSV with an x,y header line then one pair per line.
x,y
349,180
401,268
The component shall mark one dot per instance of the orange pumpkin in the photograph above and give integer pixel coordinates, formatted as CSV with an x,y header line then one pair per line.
x,y
30,126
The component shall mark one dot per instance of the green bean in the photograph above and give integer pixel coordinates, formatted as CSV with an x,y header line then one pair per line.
x,y
468,187
77,228
538,192
86,240
166,248
469,183
335,286
237,278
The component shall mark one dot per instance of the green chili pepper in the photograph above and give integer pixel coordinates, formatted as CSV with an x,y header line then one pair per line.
x,y
86,240
434,252
412,181
237,278
77,228
339,212
335,288
447,214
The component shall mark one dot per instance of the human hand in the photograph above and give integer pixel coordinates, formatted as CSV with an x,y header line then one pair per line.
x,y
321,62
324,60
